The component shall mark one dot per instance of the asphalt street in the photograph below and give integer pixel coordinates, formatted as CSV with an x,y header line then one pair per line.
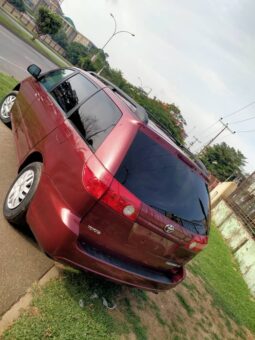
x,y
22,262
16,55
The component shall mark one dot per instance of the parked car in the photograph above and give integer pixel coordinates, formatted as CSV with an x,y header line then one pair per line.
x,y
102,187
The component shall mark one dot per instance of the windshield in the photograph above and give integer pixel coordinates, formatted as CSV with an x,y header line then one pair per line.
x,y
166,183
51,79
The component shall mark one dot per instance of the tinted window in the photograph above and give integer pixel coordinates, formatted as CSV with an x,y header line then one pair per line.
x,y
164,182
72,91
96,118
51,79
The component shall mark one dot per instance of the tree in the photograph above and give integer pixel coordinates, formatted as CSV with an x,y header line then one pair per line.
x,y
47,22
60,38
223,161
19,4
75,51
101,60
86,64
167,115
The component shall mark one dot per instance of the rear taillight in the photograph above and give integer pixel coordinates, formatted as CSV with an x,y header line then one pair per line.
x,y
122,201
197,243
101,184
96,179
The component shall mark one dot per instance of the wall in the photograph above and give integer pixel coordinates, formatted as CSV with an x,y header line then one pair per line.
x,y
239,239
222,190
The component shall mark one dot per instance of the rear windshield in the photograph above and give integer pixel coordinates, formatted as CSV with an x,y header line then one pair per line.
x,y
164,182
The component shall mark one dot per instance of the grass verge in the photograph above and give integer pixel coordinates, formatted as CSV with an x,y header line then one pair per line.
x,y
20,32
7,83
217,267
65,309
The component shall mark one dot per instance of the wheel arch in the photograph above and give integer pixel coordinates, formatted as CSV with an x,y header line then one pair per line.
x,y
35,156
17,87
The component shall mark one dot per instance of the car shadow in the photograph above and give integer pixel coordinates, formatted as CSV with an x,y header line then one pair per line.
x,y
25,232
90,284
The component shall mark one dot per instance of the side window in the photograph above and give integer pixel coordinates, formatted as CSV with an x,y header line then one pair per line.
x,y
52,78
72,91
96,118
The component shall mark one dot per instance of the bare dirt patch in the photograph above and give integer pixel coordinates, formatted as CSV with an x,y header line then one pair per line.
x,y
186,312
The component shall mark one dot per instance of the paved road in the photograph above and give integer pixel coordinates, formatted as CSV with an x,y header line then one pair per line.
x,y
16,55
21,262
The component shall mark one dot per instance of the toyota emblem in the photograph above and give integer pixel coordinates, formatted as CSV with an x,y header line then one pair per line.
x,y
169,228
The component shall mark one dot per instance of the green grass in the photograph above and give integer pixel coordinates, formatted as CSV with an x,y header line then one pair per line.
x,y
56,311
135,321
15,28
217,267
190,286
7,83
185,304
156,310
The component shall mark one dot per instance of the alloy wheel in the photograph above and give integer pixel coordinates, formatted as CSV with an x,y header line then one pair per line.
x,y
20,189
7,106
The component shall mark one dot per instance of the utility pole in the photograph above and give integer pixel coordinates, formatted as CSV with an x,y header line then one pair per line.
x,y
225,127
195,140
146,87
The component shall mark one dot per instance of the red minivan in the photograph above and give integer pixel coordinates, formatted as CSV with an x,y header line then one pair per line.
x,y
102,187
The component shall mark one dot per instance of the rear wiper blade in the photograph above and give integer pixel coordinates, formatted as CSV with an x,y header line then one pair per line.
x,y
177,218
203,209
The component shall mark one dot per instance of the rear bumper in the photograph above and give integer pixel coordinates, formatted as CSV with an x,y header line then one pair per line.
x,y
117,270
56,229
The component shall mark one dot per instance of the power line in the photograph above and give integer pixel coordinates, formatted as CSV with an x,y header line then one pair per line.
x,y
195,140
243,120
228,135
225,127
245,131
229,115
194,128
209,127
208,135
239,110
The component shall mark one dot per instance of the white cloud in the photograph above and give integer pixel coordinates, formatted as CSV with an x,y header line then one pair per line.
x,y
198,54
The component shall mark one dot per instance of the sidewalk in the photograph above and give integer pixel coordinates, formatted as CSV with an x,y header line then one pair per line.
x,y
22,263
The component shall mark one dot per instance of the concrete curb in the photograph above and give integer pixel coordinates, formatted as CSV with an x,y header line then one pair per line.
x,y
15,311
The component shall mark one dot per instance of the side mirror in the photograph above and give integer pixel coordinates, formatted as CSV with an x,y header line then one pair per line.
x,y
34,70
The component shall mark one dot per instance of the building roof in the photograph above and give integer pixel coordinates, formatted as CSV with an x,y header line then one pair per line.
x,y
70,21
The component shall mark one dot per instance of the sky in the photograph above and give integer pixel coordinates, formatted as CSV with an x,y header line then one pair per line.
x,y
197,54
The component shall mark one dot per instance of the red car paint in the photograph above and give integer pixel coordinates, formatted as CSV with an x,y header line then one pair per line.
x,y
76,213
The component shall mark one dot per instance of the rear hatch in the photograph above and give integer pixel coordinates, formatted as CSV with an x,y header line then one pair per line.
x,y
154,211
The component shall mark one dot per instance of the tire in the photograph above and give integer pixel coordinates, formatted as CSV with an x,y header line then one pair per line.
x,y
15,209
6,106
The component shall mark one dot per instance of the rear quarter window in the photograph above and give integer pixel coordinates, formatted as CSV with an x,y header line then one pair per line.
x,y
73,91
95,119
